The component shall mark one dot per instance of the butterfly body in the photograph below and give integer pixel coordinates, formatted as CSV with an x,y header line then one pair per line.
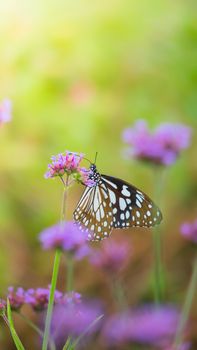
x,y
113,203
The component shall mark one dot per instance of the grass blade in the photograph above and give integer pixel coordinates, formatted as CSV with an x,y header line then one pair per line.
x,y
15,337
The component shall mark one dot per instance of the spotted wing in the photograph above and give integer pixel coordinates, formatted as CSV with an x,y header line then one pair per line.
x,y
130,206
93,213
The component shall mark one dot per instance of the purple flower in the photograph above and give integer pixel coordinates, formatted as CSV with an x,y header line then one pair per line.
x,y
145,325
189,230
73,317
69,163
112,256
5,111
161,147
67,237
2,306
39,298
16,297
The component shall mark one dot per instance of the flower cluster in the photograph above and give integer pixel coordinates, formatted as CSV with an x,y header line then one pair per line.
x,y
161,147
112,256
37,298
2,306
5,111
69,163
148,325
16,297
189,230
67,237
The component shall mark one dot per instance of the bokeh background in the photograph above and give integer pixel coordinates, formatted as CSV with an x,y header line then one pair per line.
x,y
78,72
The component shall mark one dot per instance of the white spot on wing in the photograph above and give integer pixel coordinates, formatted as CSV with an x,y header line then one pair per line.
x,y
125,191
112,196
138,214
122,203
122,216
127,214
138,204
98,215
115,210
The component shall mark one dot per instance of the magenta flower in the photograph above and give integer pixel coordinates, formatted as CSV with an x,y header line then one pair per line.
x,y
16,297
69,163
112,256
2,306
73,318
189,230
38,298
161,147
67,237
5,111
148,325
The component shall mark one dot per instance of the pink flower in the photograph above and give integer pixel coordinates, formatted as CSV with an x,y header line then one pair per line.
x,y
38,298
16,297
67,237
2,306
189,230
5,111
69,163
160,147
146,325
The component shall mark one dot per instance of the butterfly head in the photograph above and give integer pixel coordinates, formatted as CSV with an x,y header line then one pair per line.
x,y
94,173
93,168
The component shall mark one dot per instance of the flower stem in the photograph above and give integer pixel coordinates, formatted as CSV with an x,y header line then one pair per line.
x,y
64,199
187,305
157,266
51,299
70,270
55,272
119,293
156,235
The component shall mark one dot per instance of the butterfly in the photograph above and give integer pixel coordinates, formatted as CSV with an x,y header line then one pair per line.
x,y
113,203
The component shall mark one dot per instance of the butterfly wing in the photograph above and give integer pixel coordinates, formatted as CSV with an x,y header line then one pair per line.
x,y
93,213
130,206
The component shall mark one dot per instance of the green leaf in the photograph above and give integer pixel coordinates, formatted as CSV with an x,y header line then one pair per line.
x,y
68,345
15,337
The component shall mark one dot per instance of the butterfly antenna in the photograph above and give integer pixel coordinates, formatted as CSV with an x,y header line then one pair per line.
x,y
87,160
95,157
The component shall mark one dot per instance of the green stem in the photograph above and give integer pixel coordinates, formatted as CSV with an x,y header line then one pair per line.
x,y
157,266
187,305
64,199
119,293
51,299
70,270
156,235
55,272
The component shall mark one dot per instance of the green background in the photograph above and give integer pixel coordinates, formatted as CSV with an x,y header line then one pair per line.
x,y
78,73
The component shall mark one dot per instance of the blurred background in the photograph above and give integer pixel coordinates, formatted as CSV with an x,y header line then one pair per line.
x,y
78,73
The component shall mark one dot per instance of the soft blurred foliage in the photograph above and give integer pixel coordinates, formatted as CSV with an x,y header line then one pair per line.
x,y
78,72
